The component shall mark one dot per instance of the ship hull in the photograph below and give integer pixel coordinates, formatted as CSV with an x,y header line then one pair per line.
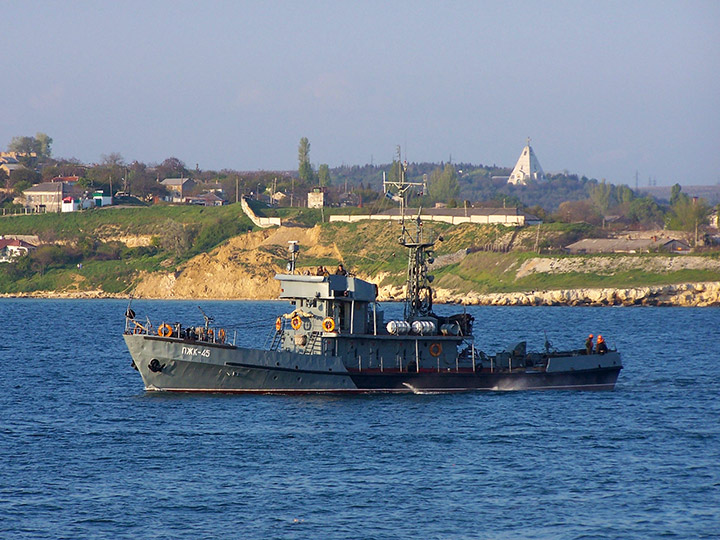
x,y
173,365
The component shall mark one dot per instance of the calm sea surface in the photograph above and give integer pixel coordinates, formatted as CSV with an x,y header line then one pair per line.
x,y
86,453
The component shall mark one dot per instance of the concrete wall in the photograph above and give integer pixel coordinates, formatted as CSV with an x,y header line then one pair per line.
x,y
510,220
262,222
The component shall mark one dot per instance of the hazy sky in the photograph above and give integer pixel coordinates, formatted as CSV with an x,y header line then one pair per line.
x,y
603,88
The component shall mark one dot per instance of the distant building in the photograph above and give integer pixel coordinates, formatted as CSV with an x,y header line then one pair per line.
x,y
713,219
527,167
179,188
11,248
627,245
205,199
72,180
212,187
10,164
316,198
278,197
48,196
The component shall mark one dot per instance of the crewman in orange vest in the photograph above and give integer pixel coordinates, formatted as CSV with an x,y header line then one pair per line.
x,y
601,348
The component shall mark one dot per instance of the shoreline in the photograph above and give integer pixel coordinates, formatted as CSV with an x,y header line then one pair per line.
x,y
695,294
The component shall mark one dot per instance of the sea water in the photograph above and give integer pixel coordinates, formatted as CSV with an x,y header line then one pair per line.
x,y
87,453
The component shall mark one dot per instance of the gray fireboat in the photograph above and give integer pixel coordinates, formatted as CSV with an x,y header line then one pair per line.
x,y
335,339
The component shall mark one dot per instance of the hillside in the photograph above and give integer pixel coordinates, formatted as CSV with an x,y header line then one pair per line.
x,y
135,252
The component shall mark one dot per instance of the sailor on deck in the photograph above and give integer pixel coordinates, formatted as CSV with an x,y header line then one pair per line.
x,y
601,347
589,344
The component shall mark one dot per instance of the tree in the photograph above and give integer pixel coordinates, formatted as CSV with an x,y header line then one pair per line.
x,y
624,194
40,145
23,145
113,159
44,143
142,183
324,175
443,184
177,237
578,212
21,179
172,167
601,196
645,211
675,193
305,171
688,214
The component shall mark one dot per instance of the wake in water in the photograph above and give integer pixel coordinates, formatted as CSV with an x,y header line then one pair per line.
x,y
422,392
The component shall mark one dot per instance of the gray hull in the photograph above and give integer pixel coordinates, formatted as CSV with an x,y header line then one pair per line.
x,y
186,366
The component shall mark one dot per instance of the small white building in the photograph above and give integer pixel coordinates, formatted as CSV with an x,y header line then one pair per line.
x,y
101,199
77,202
527,167
316,198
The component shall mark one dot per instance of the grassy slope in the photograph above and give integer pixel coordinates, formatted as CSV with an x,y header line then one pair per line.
x,y
116,275
367,248
495,272
135,220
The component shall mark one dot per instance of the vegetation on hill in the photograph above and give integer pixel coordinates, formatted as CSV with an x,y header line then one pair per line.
x,y
570,206
90,239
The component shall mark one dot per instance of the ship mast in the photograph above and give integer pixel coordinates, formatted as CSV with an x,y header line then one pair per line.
x,y
418,297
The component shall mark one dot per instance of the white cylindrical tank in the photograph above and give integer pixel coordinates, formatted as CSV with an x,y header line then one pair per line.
x,y
423,328
450,329
399,328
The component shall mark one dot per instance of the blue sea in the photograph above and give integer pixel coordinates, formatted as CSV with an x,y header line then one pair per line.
x,y
87,453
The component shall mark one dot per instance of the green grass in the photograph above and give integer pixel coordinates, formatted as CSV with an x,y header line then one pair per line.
x,y
135,220
365,247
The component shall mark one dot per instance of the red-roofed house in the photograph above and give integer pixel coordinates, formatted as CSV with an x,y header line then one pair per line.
x,y
11,249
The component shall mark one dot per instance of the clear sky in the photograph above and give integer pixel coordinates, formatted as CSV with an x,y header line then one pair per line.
x,y
603,88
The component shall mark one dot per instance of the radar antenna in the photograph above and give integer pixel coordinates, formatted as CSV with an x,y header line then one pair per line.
x,y
418,298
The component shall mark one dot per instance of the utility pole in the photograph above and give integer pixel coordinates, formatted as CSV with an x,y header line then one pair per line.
x,y
237,188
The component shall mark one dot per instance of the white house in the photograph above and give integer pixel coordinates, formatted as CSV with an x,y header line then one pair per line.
x,y
11,248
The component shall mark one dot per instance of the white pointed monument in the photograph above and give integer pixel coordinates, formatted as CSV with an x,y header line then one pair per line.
x,y
527,167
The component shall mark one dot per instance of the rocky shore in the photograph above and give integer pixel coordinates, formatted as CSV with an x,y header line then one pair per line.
x,y
705,294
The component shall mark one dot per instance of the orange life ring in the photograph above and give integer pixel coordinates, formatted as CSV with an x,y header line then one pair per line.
x,y
328,324
435,349
165,330
278,324
296,322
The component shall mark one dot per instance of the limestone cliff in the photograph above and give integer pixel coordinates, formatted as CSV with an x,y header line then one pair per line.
x,y
244,267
